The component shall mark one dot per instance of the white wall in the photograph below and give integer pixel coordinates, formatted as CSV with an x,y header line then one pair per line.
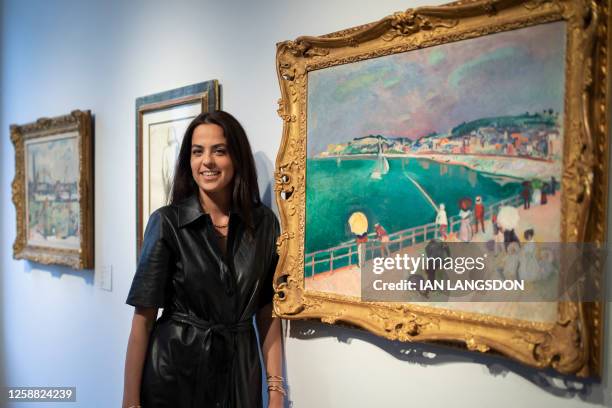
x,y
59,329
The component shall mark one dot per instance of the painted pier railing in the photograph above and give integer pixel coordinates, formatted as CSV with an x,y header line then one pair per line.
x,y
347,254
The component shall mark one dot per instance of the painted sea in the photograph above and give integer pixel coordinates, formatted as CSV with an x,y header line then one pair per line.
x,y
399,200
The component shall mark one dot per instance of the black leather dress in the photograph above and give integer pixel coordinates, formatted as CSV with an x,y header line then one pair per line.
x,y
203,350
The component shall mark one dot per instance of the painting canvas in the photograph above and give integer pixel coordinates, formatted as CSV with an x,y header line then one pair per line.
x,y
446,132
52,167
470,133
163,134
162,119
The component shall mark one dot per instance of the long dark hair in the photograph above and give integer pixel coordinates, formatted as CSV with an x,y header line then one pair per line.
x,y
245,194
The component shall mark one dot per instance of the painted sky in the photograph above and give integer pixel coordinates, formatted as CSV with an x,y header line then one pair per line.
x,y
434,89
55,160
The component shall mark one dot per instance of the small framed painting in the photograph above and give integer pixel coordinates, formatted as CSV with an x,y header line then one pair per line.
x,y
161,120
53,190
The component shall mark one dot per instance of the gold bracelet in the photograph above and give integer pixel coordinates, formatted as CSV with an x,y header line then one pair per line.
x,y
278,389
274,378
135,406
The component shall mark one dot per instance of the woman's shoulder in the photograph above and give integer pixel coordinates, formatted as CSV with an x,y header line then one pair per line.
x,y
166,210
168,214
265,221
264,214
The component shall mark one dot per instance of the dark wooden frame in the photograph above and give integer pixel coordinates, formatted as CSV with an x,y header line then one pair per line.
x,y
207,93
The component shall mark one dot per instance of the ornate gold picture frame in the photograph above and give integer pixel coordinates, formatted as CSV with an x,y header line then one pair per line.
x,y
53,190
324,82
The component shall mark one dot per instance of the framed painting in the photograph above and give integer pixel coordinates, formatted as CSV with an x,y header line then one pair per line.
x,y
161,121
53,190
443,177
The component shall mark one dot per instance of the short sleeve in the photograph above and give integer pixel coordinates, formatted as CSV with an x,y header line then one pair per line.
x,y
153,272
267,292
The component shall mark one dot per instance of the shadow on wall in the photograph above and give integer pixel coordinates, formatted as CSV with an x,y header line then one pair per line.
x,y
265,179
426,354
57,271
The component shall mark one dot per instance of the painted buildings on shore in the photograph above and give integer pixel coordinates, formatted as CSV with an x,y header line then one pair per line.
x,y
535,136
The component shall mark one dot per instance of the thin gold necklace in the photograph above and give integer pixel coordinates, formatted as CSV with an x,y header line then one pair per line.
x,y
204,208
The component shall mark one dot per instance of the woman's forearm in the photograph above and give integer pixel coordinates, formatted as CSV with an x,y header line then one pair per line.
x,y
271,344
142,322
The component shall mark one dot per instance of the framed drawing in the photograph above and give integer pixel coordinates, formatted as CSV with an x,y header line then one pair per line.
x,y
161,121
477,126
53,190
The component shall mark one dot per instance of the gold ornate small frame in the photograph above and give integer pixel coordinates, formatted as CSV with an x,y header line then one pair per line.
x,y
572,344
53,196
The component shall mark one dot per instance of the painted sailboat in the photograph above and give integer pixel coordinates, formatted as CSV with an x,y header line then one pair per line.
x,y
382,165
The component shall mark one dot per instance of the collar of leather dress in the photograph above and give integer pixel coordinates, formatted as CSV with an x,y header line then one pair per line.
x,y
190,210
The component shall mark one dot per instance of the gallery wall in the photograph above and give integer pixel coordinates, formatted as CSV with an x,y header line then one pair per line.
x,y
3,201
59,329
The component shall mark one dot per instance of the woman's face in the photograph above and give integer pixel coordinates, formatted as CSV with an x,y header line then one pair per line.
x,y
211,164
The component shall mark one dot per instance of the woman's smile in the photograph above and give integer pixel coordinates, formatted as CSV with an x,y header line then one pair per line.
x,y
210,174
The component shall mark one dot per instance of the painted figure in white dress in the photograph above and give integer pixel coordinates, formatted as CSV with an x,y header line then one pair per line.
x,y
169,157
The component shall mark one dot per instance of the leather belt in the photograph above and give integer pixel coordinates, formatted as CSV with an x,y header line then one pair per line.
x,y
215,370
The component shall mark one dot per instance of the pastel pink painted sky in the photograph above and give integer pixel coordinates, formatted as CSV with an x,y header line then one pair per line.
x,y
434,89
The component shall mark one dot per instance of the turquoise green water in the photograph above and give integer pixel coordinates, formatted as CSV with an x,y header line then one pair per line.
x,y
334,190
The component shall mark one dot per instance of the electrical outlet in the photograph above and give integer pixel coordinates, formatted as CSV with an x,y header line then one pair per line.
x,y
104,278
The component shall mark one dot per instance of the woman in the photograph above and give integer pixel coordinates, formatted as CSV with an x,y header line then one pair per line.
x,y
383,238
207,259
511,263
465,214
529,267
442,222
